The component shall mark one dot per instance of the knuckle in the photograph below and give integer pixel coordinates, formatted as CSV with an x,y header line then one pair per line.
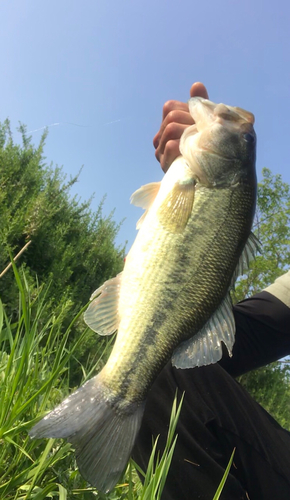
x,y
171,130
157,155
172,115
171,149
168,106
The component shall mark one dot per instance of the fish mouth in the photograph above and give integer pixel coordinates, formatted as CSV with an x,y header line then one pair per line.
x,y
205,111
209,117
220,143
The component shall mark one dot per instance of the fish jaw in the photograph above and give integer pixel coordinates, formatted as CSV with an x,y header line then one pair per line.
x,y
203,111
221,144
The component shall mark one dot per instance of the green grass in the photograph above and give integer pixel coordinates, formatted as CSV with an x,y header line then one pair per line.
x,y
33,369
35,357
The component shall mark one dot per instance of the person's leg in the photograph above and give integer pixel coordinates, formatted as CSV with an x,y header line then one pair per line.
x,y
217,415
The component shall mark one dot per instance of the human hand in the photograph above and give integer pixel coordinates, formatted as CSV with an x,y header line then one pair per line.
x,y
175,119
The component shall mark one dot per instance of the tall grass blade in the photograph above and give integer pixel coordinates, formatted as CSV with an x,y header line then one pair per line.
x,y
1,319
158,467
224,478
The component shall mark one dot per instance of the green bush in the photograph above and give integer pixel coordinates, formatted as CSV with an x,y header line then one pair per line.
x,y
71,246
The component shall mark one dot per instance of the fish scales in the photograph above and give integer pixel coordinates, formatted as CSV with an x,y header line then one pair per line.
x,y
205,282
172,298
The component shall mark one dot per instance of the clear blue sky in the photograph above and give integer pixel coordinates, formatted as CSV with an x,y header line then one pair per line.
x,y
102,70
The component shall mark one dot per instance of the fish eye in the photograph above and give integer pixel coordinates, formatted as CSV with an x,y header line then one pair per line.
x,y
249,137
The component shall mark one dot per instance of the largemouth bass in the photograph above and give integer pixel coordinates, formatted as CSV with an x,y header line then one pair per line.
x,y
172,298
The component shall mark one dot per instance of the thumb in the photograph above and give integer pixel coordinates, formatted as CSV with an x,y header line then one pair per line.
x,y
198,90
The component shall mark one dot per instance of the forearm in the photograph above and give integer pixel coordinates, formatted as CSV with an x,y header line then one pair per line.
x,y
281,289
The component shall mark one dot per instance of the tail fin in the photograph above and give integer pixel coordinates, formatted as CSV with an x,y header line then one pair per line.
x,y
103,434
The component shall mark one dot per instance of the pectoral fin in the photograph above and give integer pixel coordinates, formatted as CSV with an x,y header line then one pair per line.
x,y
102,314
205,348
176,209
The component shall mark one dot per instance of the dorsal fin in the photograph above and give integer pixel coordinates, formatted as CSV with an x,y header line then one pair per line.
x,y
205,347
252,246
145,195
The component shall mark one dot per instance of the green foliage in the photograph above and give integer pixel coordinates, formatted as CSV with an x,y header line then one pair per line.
x,y
33,372
71,246
34,376
272,227
224,478
270,386
156,474
34,366
34,361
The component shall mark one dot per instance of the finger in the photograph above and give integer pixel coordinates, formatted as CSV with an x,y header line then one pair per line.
x,y
198,90
172,131
174,116
171,152
170,149
171,106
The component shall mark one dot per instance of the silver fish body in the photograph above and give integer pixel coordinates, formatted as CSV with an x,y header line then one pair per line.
x,y
172,298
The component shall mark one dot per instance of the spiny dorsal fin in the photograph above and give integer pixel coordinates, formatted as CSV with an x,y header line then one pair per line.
x,y
205,347
144,197
102,314
176,209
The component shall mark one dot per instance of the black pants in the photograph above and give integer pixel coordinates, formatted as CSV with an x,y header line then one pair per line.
x,y
217,416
